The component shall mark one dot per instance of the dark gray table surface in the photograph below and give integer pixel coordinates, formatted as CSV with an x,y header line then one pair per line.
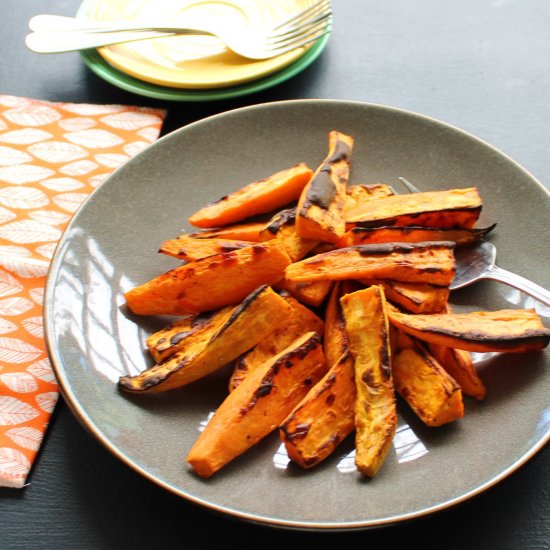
x,y
482,65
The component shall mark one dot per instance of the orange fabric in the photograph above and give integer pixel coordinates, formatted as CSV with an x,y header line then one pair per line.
x,y
52,156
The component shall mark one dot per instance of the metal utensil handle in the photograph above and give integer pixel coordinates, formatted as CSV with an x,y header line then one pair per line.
x,y
521,283
70,25
45,42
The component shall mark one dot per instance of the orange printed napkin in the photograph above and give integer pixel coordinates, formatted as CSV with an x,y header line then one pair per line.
x,y
52,156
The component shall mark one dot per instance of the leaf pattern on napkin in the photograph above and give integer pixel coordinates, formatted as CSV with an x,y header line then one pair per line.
x,y
52,156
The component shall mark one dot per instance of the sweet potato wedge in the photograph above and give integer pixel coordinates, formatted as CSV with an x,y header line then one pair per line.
x,y
258,405
458,363
411,234
282,226
249,231
299,321
360,193
259,197
505,330
177,335
186,247
326,414
320,211
210,283
312,293
441,209
375,407
321,248
414,297
324,417
335,341
428,262
425,385
246,325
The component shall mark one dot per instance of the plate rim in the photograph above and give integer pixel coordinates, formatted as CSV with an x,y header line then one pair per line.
x,y
112,59
302,525
99,66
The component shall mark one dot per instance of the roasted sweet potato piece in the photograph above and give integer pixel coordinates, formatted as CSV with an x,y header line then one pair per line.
x,y
259,197
210,283
428,262
414,297
412,234
360,193
458,363
441,209
324,417
321,248
246,325
186,247
335,341
375,407
312,293
258,405
506,330
177,335
425,385
320,211
282,226
299,321
249,231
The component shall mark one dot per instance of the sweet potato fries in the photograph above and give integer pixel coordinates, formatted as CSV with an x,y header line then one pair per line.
x,y
330,314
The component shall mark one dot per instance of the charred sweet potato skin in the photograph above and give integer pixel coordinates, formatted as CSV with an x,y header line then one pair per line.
x,y
246,325
211,282
429,390
282,226
185,333
324,417
412,234
375,406
440,209
414,297
188,248
259,197
299,321
258,405
320,211
431,262
507,330
458,363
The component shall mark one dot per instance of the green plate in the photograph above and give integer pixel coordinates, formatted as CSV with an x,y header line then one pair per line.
x,y
101,68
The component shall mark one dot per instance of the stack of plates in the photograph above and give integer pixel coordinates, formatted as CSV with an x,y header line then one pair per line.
x,y
193,68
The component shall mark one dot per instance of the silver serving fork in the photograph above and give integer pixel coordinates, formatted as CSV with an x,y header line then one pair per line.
x,y
54,34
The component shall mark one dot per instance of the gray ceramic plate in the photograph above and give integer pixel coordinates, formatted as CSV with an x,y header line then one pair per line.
x,y
112,243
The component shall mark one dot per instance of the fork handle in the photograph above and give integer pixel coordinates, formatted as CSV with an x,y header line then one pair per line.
x,y
519,282
74,25
52,42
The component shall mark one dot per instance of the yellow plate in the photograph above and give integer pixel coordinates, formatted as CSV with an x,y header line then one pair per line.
x,y
193,62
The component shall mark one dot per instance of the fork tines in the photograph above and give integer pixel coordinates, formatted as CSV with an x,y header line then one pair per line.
x,y
302,29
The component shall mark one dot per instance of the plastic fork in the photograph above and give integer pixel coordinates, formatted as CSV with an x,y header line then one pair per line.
x,y
55,34
478,261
